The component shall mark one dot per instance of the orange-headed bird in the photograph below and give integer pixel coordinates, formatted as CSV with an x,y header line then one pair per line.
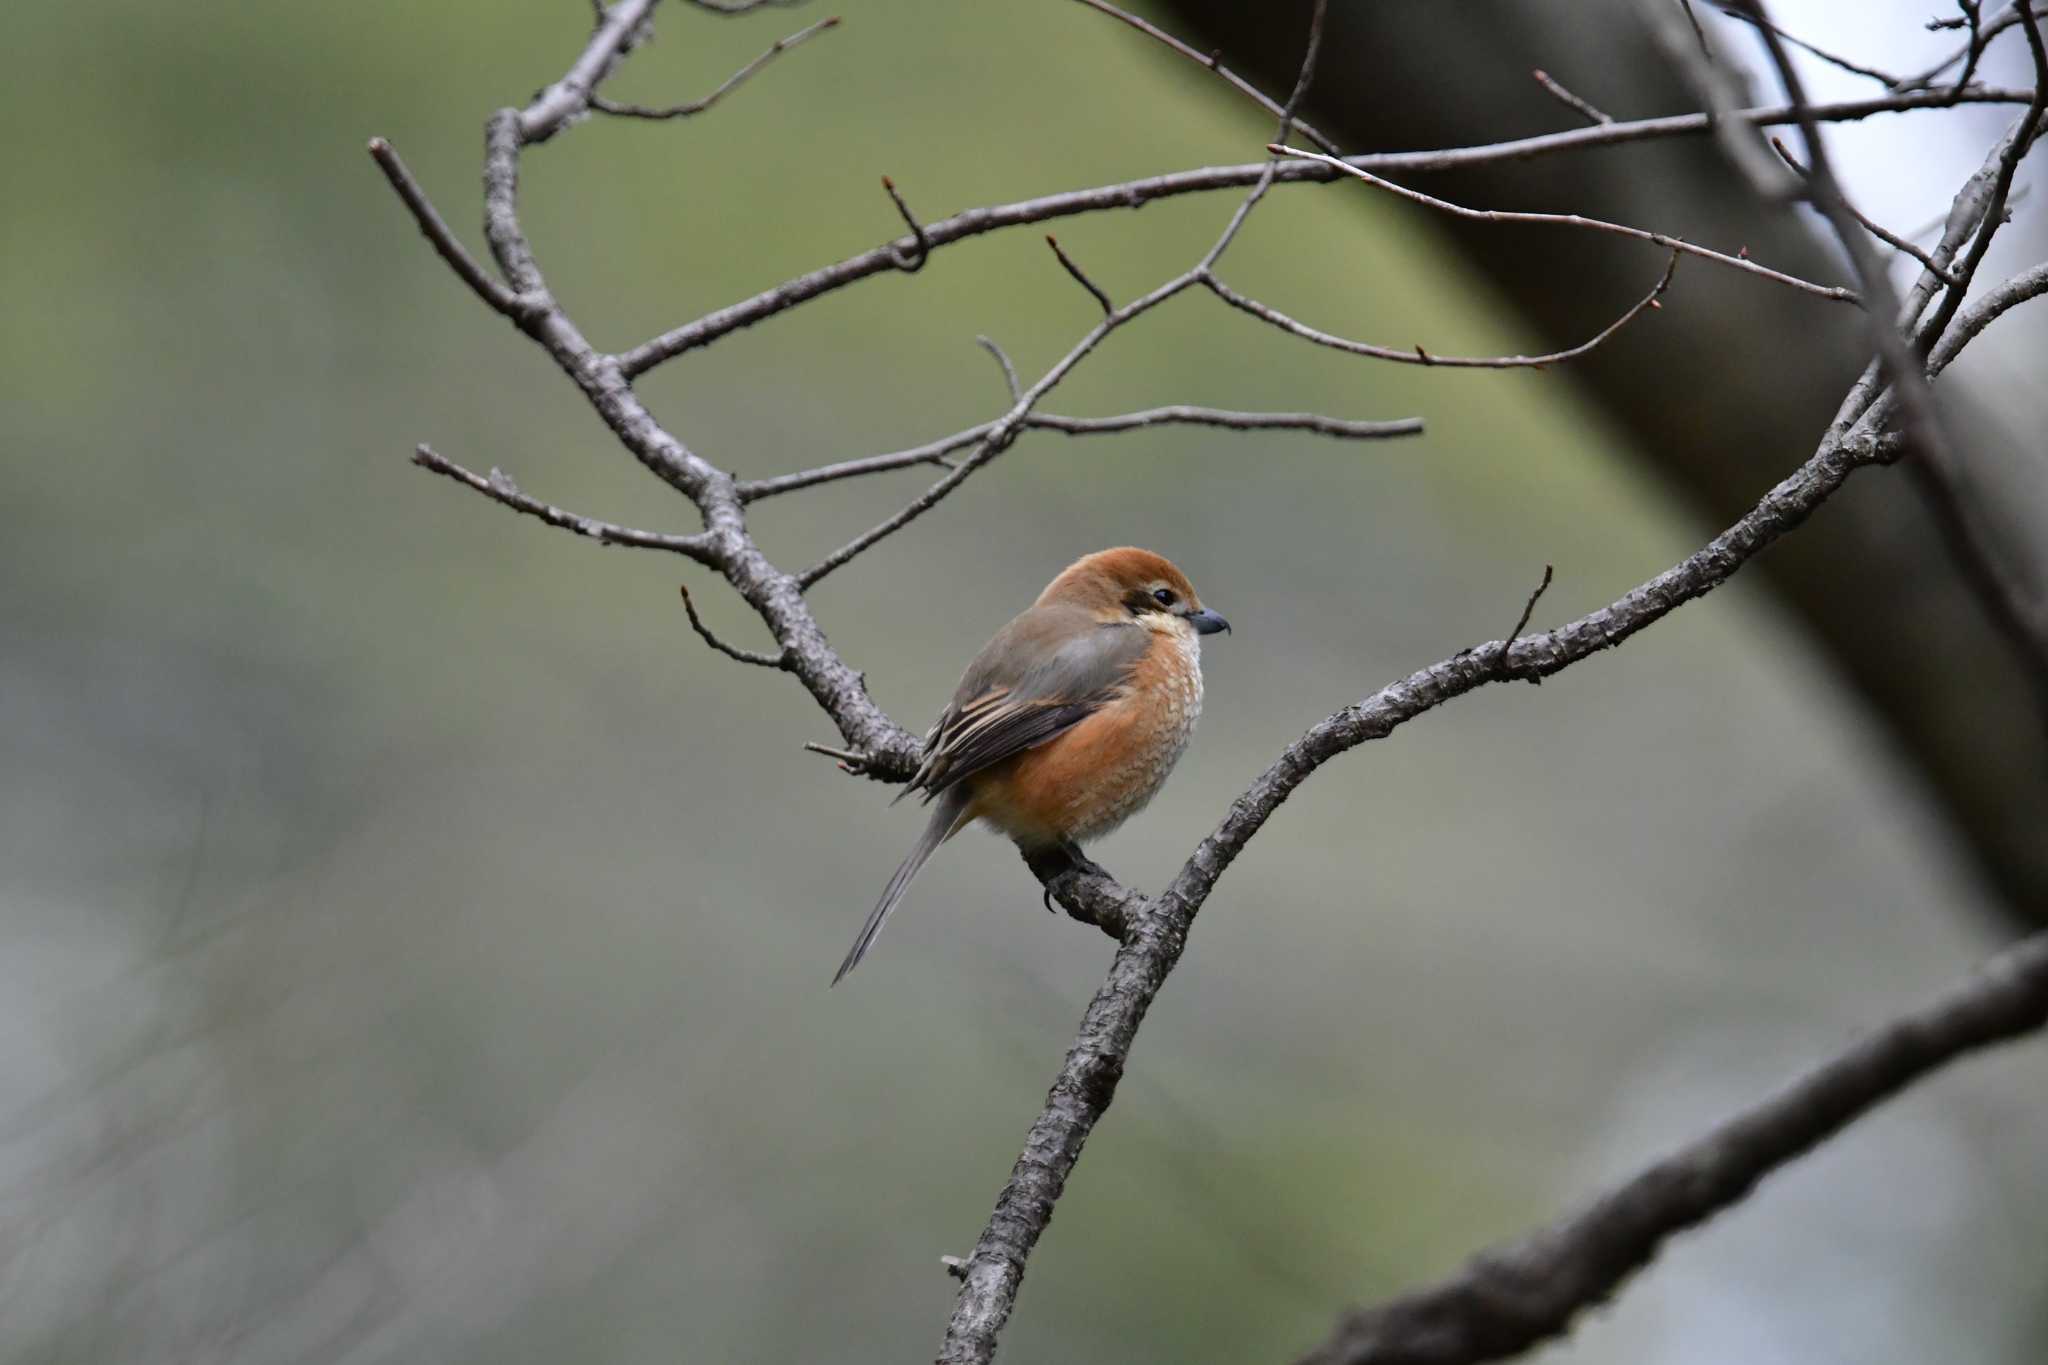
x,y
1069,720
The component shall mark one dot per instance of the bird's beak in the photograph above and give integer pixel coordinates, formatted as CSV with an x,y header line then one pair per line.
x,y
1207,622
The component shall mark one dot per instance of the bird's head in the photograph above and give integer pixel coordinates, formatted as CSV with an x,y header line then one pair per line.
x,y
1129,583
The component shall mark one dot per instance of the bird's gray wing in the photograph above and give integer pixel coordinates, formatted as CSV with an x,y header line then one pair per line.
x,y
1041,675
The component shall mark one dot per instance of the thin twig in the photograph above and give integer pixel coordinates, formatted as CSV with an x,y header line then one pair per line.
x,y
752,490
1418,355
1522,622
1824,291
1210,62
844,756
909,259
1584,107
436,231
1973,50
1002,358
1080,275
1699,33
1182,414
498,487
931,452
778,661
731,8
1981,34
1877,230
1890,81
1305,77
1721,88
738,78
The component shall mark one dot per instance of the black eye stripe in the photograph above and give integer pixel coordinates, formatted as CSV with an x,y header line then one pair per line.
x,y
1163,596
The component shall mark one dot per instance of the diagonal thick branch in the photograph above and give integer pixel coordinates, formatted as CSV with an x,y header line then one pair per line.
x,y
1515,1297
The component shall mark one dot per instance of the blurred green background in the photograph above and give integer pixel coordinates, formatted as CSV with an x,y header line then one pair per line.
x,y
413,943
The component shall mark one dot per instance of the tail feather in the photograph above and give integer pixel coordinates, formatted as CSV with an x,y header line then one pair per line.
x,y
947,818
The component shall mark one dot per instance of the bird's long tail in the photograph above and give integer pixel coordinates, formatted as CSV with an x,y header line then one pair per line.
x,y
947,817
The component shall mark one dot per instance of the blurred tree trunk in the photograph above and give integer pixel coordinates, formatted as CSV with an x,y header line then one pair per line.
x,y
1725,401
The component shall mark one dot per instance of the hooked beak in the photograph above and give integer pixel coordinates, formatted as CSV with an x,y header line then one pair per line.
x,y
1207,622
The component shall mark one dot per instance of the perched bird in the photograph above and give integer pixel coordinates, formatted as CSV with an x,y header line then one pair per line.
x,y
1069,720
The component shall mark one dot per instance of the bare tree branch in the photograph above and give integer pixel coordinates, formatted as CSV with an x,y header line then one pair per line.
x,y
1528,610
1936,466
931,452
910,260
1890,81
728,8
1137,193
444,241
1566,98
1742,263
1178,414
745,656
1981,34
1722,87
1080,276
2016,145
1699,34
1183,414
1515,1297
1213,62
1002,359
2021,288
1877,230
725,87
1417,355
498,487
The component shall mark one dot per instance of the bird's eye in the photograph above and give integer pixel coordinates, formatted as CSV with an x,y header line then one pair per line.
x,y
1163,596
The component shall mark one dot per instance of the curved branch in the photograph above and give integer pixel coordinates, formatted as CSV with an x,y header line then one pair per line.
x,y
746,656
1418,356
1515,1297
731,83
1833,293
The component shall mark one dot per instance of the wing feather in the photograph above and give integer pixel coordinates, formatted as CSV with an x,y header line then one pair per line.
x,y
1041,675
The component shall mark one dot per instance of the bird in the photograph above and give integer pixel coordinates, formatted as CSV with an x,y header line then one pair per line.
x,y
1068,721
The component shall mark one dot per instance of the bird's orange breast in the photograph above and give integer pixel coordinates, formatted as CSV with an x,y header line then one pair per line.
x,y
1095,776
